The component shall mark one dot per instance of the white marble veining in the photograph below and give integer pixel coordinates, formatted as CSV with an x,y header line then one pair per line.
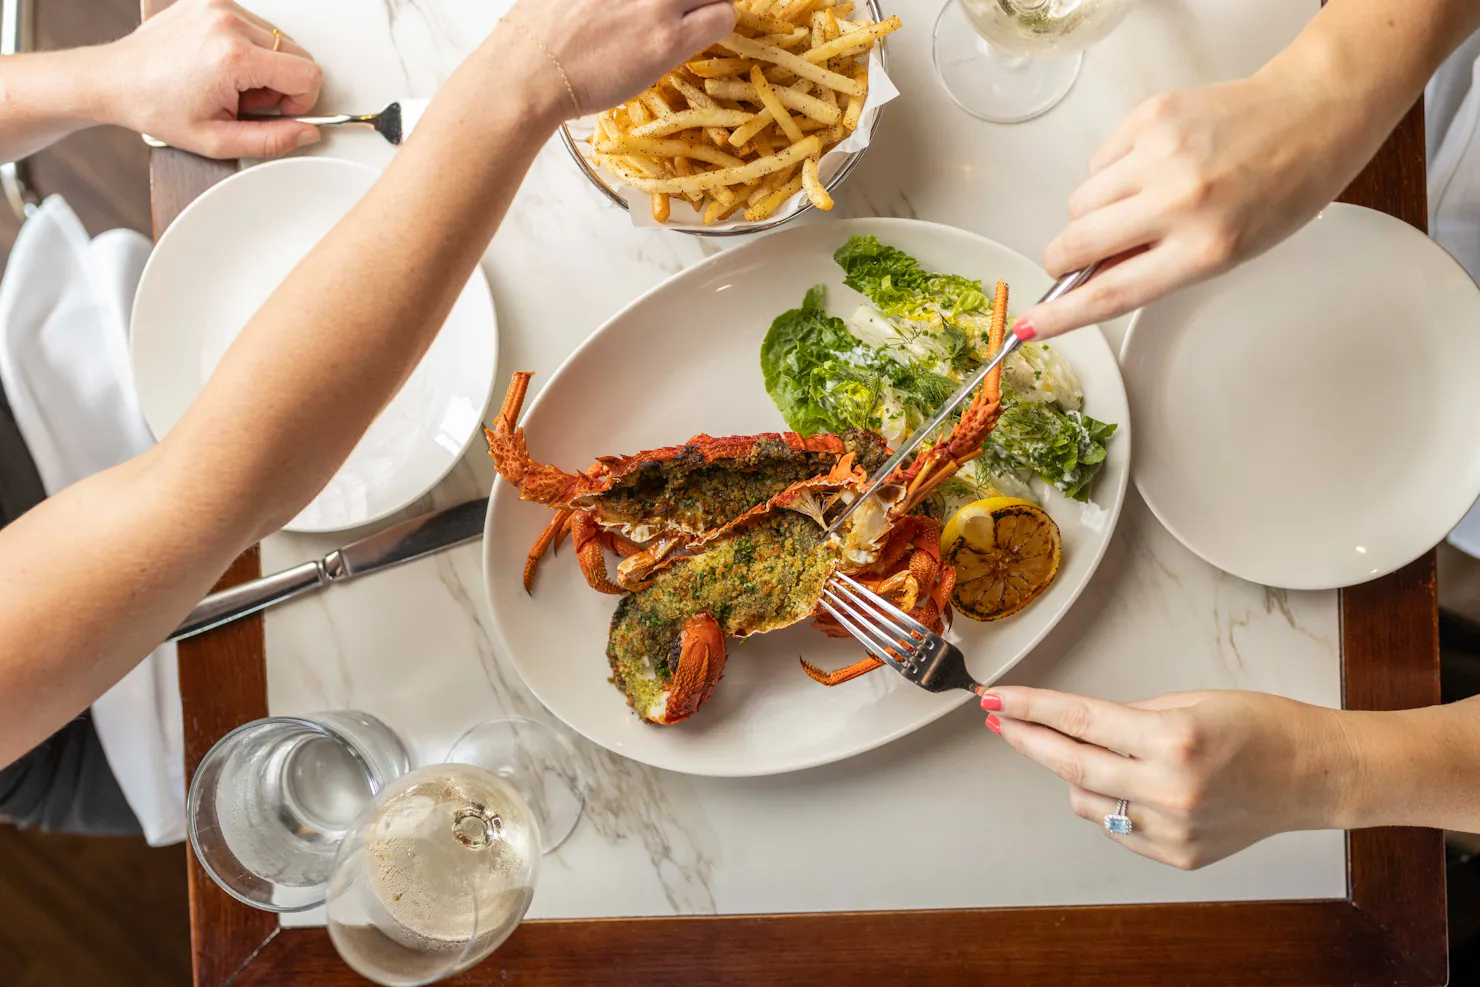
x,y
411,645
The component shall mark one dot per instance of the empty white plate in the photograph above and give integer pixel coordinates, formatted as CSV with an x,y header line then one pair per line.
x,y
1312,419
217,264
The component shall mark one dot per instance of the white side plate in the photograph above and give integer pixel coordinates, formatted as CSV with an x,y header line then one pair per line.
x,y
683,359
221,259
1309,419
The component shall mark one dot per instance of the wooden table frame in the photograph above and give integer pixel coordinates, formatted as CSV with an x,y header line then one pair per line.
x,y
1389,930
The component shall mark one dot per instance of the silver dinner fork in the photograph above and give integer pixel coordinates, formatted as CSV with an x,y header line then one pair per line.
x,y
895,638
394,123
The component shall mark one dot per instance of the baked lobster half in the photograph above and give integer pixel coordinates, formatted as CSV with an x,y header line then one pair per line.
x,y
725,537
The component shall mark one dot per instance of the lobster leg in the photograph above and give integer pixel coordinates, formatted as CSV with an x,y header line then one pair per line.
x,y
841,675
549,538
591,552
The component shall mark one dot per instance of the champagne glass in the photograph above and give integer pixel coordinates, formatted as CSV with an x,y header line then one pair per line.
x,y
440,870
1007,61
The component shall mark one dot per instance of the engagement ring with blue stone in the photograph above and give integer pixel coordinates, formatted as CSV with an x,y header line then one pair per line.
x,y
1117,822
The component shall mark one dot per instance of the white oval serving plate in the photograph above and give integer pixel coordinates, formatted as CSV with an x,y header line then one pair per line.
x,y
685,358
1308,420
221,259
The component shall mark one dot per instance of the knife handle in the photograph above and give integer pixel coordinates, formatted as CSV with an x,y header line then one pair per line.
x,y
238,601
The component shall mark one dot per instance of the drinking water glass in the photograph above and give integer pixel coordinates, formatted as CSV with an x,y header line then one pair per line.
x,y
440,870
1007,61
272,800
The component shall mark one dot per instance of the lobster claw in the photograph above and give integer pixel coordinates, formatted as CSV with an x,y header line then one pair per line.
x,y
697,661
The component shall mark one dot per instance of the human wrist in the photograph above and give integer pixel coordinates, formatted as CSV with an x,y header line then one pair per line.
x,y
1385,768
62,85
527,74
1325,770
1341,108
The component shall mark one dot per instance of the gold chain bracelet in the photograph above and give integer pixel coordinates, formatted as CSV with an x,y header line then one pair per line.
x,y
553,61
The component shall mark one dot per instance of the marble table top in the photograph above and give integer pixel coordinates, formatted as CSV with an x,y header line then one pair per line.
x,y
412,645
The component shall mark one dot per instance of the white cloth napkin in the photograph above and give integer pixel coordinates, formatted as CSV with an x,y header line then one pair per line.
x,y
65,301
1453,126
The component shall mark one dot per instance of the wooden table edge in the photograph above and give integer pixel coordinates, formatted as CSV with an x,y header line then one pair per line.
x,y
1390,929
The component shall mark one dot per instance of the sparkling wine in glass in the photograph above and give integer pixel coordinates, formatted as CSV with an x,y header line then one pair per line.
x,y
1007,61
441,869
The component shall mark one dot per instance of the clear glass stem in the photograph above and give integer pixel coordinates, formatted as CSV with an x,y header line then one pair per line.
x,y
991,84
539,762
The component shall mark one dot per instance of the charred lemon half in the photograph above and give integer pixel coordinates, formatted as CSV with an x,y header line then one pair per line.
x,y
1006,552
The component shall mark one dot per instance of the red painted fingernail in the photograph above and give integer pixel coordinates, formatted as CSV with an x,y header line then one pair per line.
x,y
991,702
993,724
1023,329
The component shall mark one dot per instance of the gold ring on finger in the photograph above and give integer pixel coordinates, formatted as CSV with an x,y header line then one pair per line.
x,y
277,39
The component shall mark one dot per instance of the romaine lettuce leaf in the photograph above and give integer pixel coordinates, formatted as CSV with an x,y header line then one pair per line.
x,y
1065,448
953,309
805,360
901,356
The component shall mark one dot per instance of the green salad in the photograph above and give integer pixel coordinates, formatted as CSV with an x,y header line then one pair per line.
x,y
895,360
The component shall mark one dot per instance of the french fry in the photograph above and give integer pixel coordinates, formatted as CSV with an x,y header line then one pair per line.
x,y
836,132
786,159
812,185
771,202
795,39
772,103
761,6
719,68
795,10
842,9
670,147
685,166
656,103
819,28
855,105
698,99
745,133
820,108
750,48
853,39
761,25
684,119
831,30
638,113
661,209
717,211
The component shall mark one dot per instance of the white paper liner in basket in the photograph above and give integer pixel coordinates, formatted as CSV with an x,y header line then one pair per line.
x,y
683,215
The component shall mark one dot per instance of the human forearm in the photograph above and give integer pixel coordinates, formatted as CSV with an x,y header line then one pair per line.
x,y
92,579
1415,767
376,289
1360,65
46,96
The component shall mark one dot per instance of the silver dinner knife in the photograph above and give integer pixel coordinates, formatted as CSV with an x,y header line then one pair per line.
x,y
1064,284
413,539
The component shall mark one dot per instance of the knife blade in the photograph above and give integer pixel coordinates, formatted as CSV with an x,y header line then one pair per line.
x,y
400,543
1064,284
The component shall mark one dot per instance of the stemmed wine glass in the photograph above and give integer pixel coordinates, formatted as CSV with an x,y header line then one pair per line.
x,y
1007,61
440,870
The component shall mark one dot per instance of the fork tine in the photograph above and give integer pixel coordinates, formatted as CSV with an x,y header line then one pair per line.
x,y
862,637
902,644
870,603
884,604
